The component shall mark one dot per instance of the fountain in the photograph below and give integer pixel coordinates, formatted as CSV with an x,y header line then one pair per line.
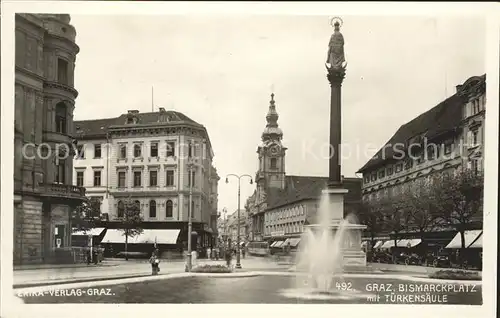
x,y
331,247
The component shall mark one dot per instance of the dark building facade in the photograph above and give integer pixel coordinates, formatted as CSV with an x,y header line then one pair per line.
x,y
44,197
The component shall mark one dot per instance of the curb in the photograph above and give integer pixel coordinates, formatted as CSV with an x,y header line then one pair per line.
x,y
76,281
65,267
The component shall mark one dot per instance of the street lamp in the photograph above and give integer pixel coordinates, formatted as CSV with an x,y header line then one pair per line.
x,y
238,264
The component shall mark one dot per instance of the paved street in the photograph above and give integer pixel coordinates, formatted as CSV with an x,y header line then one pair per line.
x,y
121,268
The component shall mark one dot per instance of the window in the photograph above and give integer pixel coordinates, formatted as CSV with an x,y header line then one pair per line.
x,y
190,149
475,139
62,71
274,163
121,179
192,209
367,179
170,149
170,209
80,153
79,178
170,178
191,181
399,167
120,212
97,151
137,178
137,151
374,176
153,178
154,150
381,174
60,176
130,120
97,178
61,118
474,167
152,209
123,151
409,162
390,171
431,154
447,148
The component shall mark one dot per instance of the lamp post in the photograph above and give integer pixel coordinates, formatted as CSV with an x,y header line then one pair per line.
x,y
238,264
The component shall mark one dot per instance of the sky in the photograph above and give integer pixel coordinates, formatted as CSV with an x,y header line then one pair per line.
x,y
221,70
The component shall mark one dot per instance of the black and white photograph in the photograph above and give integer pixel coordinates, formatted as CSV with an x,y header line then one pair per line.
x,y
249,156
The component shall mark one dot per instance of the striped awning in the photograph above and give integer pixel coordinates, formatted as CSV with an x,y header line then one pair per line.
x,y
378,244
279,243
292,241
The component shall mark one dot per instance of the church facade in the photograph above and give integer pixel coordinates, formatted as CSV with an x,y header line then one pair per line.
x,y
282,205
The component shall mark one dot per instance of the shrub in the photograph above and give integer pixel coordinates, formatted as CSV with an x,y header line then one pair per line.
x,y
211,269
456,275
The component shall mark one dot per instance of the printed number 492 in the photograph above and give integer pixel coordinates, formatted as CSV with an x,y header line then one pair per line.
x,y
343,286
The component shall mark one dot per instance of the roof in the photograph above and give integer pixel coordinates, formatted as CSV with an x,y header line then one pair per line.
x,y
442,118
299,188
99,127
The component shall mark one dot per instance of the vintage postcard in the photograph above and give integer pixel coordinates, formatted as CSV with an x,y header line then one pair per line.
x,y
247,154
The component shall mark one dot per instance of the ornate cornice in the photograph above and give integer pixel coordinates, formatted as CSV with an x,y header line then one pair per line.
x,y
62,87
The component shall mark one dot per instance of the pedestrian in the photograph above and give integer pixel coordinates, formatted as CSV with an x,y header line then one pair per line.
x,y
155,263
243,250
209,253
228,257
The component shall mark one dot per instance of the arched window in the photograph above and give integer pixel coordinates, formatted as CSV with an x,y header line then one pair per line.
x,y
169,209
137,151
61,118
137,204
274,163
121,209
152,209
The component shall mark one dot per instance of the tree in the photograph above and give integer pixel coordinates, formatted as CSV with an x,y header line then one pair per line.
x,y
459,198
131,221
85,215
394,218
370,214
421,206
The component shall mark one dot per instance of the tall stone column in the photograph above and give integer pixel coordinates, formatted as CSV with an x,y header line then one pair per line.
x,y
336,66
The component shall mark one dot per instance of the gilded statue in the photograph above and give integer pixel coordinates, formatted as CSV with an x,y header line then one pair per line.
x,y
335,58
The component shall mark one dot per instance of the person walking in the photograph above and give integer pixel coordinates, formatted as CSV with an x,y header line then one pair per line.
x,y
155,263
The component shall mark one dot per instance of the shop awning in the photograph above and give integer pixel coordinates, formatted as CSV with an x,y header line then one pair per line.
x,y
94,232
364,243
162,236
409,243
274,244
378,244
478,243
279,243
390,243
292,241
470,237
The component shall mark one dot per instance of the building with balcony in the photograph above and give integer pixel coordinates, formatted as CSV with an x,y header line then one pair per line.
x,y
161,160
44,196
232,227
448,136
281,204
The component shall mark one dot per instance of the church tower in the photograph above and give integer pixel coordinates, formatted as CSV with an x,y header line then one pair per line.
x,y
271,173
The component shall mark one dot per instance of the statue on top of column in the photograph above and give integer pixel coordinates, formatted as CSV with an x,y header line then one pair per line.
x,y
336,59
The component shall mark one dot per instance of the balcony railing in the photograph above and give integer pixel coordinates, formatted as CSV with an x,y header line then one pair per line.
x,y
62,190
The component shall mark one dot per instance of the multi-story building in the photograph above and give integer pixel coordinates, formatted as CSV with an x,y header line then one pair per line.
x,y
282,205
448,136
44,197
232,226
161,160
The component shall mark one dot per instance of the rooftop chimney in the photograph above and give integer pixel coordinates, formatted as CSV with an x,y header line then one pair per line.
x,y
133,111
162,110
